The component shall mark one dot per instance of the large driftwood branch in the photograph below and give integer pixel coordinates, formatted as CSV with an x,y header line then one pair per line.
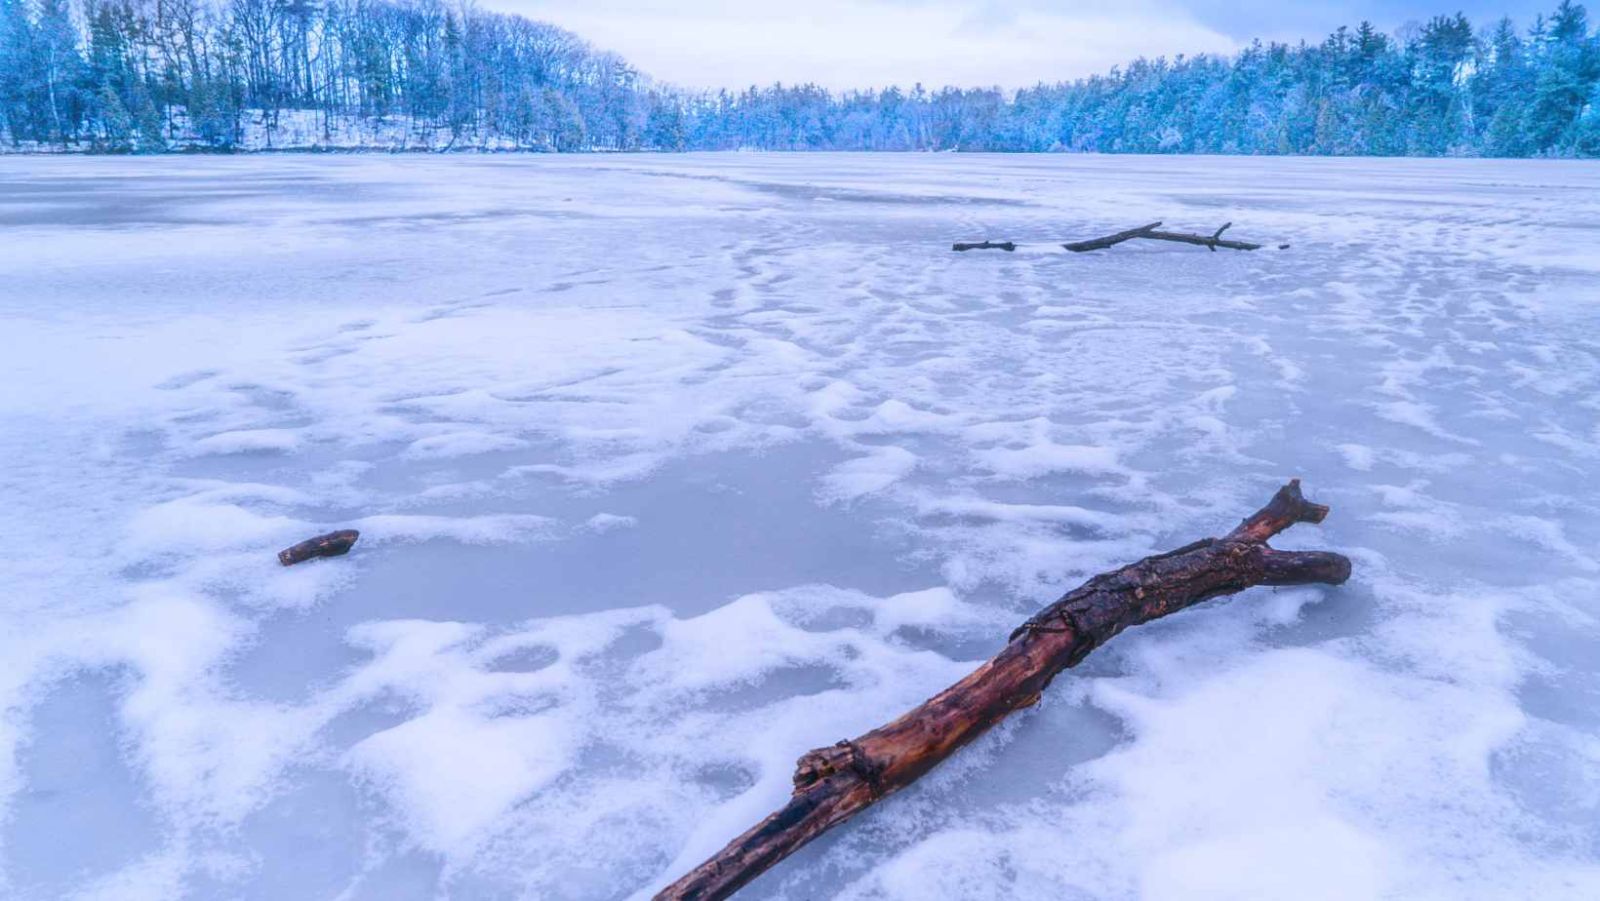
x,y
833,784
1149,232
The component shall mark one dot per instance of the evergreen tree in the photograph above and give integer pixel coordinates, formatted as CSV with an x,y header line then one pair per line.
x,y
116,123
1567,58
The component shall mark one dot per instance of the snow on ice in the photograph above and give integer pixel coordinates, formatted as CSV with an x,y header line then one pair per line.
x,y
672,468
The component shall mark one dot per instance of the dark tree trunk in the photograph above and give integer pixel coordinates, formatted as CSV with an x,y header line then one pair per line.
x,y
835,783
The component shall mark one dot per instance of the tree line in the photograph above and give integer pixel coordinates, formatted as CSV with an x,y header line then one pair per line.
x,y
154,75
120,75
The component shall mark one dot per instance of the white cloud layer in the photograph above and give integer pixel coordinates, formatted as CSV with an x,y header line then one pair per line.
x,y
841,44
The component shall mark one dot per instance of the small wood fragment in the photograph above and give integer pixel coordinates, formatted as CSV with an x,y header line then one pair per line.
x,y
1006,246
333,544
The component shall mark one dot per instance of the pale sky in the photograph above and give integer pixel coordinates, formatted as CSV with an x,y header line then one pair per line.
x,y
1011,43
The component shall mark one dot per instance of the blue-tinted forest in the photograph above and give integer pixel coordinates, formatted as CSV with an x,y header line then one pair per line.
x,y
157,75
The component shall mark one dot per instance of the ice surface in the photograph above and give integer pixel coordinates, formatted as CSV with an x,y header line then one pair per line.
x,y
671,468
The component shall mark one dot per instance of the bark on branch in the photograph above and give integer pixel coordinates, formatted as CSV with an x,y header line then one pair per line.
x,y
1110,240
1210,242
835,783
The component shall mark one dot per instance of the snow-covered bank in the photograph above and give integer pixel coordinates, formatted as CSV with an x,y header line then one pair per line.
x,y
670,468
302,131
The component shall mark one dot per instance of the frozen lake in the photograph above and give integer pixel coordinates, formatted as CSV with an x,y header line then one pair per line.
x,y
671,468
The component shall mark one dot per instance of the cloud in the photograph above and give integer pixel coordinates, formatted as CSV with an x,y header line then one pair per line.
x,y
840,44
1245,19
874,43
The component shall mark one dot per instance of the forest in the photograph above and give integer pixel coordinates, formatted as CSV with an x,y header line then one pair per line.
x,y
120,76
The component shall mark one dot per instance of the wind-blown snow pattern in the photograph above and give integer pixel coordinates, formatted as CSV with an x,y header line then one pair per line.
x,y
670,469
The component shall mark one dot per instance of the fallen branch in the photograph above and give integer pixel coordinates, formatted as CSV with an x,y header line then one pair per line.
x,y
1109,240
1149,232
332,544
1210,243
833,784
